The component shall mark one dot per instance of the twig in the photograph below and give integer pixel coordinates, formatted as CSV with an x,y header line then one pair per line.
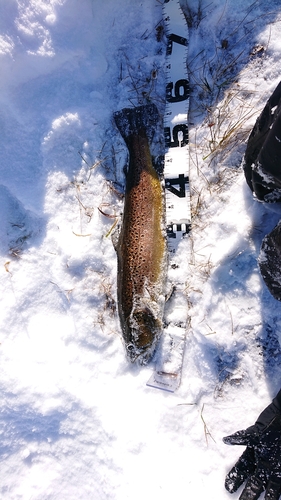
x,y
206,430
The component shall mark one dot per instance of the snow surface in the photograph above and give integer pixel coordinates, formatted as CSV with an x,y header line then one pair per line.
x,y
77,420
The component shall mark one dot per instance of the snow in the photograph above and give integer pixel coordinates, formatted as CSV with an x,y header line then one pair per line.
x,y
77,420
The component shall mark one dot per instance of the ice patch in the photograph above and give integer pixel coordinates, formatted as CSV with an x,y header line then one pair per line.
x,y
180,118
17,223
59,125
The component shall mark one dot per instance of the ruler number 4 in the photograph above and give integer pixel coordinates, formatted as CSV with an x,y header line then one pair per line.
x,y
181,182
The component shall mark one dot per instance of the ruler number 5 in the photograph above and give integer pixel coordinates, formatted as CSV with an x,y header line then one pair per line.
x,y
175,143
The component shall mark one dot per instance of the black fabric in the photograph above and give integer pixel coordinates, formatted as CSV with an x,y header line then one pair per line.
x,y
277,401
262,160
262,168
270,261
243,469
260,463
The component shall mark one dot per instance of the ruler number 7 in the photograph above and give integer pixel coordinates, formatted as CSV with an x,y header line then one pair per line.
x,y
176,39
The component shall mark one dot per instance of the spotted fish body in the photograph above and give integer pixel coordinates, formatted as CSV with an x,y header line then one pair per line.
x,y
141,245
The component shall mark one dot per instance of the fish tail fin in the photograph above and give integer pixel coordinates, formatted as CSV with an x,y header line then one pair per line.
x,y
130,121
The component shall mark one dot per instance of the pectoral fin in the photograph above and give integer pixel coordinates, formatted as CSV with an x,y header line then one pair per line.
x,y
115,235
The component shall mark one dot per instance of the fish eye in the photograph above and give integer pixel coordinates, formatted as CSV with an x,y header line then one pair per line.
x,y
131,348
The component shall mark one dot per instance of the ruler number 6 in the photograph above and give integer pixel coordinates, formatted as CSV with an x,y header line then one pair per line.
x,y
181,91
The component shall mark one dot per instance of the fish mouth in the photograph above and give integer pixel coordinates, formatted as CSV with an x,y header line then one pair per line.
x,y
142,356
143,330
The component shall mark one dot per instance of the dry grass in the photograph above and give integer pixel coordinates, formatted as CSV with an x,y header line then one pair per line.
x,y
206,430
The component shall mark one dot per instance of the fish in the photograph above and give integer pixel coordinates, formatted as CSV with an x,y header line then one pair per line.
x,y
140,242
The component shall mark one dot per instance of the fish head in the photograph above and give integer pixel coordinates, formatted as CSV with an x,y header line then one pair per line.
x,y
143,331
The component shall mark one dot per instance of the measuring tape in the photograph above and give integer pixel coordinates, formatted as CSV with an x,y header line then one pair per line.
x,y
167,373
175,126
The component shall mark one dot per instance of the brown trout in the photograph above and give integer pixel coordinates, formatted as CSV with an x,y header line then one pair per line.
x,y
141,242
